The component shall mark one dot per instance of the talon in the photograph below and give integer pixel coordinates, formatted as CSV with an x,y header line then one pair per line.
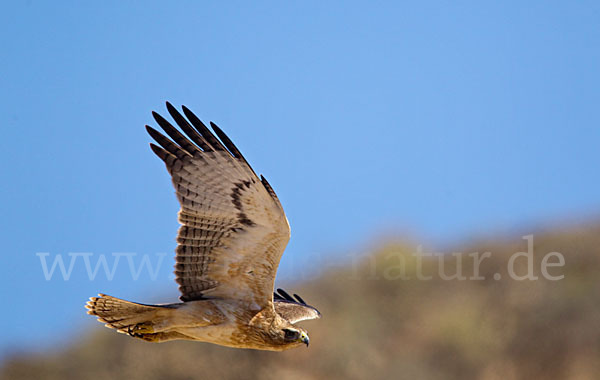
x,y
145,328
140,329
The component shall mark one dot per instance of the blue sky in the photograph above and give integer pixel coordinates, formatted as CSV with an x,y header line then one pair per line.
x,y
436,120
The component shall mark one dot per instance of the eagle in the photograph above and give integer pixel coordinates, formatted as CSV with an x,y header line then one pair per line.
x,y
233,233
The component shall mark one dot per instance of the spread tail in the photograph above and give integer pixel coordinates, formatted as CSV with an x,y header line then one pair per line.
x,y
138,320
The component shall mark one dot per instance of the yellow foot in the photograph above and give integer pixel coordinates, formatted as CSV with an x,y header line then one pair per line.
x,y
140,329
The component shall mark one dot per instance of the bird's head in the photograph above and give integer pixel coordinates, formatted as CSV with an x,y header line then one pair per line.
x,y
295,336
277,334
284,335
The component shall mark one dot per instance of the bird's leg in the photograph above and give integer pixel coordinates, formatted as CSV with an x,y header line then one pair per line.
x,y
140,329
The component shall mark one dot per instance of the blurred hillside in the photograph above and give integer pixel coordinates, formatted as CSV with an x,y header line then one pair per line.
x,y
381,322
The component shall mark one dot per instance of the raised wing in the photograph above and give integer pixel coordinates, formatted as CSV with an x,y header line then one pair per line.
x,y
293,309
233,228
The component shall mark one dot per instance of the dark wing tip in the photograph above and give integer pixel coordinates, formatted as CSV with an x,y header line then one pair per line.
x,y
152,132
167,144
171,109
159,119
299,299
281,294
268,187
185,109
163,154
156,135
156,149
203,130
285,295
235,152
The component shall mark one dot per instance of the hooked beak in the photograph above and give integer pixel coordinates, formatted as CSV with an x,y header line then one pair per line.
x,y
304,339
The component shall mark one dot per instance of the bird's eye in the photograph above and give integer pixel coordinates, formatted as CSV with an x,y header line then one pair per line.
x,y
291,334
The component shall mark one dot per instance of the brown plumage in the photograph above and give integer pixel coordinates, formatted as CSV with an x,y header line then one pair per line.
x,y
232,235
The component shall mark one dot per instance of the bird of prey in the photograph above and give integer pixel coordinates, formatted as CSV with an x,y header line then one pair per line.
x,y
232,235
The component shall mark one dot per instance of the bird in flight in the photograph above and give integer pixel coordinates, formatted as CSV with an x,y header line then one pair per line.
x,y
233,233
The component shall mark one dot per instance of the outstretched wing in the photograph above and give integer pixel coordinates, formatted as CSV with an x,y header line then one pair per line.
x,y
233,228
293,309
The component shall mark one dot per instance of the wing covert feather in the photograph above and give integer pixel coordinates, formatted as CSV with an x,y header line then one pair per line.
x,y
293,309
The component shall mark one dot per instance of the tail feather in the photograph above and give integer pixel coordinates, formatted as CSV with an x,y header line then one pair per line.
x,y
124,316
